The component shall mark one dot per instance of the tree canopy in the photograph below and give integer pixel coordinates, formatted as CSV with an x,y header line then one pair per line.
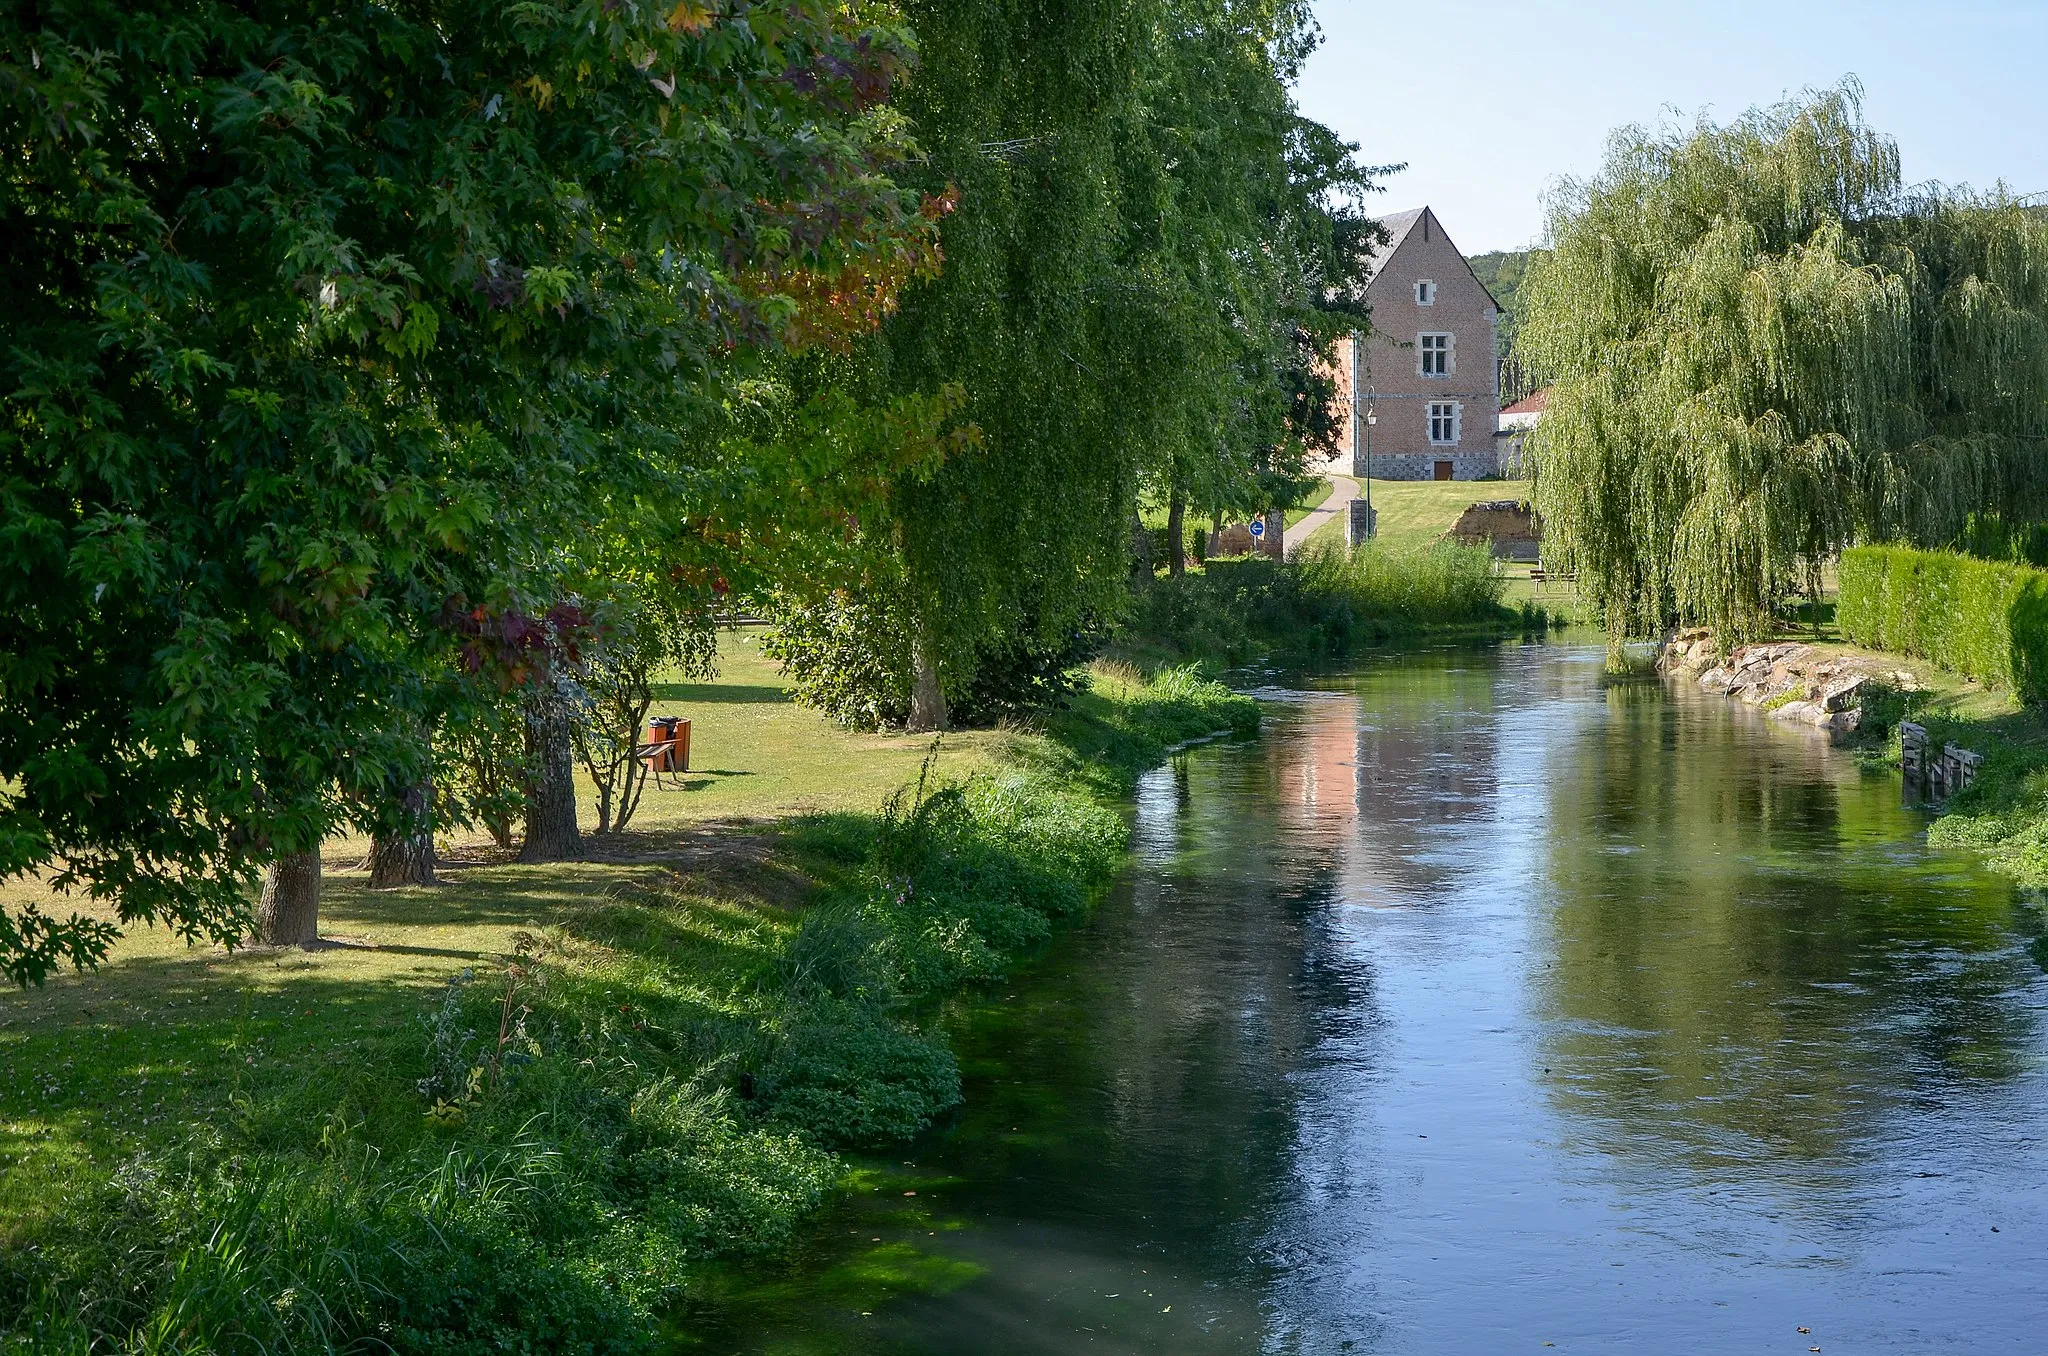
x,y
324,324
1765,347
1151,249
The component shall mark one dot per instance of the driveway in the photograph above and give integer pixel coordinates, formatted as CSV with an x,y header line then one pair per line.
x,y
1343,489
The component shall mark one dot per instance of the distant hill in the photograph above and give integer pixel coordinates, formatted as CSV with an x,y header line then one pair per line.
x,y
1502,271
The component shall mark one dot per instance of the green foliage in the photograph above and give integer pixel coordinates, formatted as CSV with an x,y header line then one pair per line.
x,y
842,655
1146,248
545,1156
2003,814
1503,272
1323,600
1984,619
580,1129
317,319
1764,348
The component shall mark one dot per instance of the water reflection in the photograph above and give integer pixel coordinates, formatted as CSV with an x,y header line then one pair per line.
x,y
1749,966
1480,1005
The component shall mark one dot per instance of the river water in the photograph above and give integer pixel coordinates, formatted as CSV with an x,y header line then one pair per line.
x,y
1479,1006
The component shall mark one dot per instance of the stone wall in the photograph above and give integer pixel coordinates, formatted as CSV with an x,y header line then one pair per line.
x,y
1790,681
1509,527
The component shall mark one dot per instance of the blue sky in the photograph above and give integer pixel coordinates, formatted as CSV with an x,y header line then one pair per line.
x,y
1538,86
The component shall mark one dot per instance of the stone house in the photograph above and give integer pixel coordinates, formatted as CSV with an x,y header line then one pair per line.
x,y
1426,371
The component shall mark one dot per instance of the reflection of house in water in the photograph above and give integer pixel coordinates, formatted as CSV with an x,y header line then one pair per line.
x,y
1389,766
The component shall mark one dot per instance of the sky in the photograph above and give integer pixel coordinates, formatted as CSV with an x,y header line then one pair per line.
x,y
1489,104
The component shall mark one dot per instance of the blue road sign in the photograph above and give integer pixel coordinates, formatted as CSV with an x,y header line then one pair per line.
x,y
1258,529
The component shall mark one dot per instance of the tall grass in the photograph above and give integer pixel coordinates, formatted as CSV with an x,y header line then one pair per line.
x,y
1440,584
1323,600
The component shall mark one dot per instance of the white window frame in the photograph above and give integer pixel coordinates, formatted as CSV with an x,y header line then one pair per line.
x,y
1442,348
1441,413
1425,292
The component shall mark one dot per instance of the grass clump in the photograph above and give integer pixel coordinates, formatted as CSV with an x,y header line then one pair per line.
x,y
543,1152
1324,600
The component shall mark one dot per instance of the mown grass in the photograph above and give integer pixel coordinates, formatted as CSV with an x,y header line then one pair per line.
x,y
520,1111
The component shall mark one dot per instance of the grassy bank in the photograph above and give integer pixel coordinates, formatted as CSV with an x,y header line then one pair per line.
x,y
2004,813
521,1110
1323,601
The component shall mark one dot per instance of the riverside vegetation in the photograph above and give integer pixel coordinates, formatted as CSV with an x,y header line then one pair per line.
x,y
365,471
661,1072
1983,620
1325,600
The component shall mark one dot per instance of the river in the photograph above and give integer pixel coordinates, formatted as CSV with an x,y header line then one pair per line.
x,y
1480,1006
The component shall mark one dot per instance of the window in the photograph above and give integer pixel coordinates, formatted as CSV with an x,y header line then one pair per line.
x,y
1443,422
1425,293
1435,354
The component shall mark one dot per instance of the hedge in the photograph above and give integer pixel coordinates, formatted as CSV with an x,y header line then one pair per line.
x,y
1983,618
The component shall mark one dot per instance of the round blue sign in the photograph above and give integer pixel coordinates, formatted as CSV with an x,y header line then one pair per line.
x,y
1258,528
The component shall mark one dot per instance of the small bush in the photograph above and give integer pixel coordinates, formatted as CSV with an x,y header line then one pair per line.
x,y
1985,619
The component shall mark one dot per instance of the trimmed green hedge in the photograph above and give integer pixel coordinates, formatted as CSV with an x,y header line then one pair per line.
x,y
1983,618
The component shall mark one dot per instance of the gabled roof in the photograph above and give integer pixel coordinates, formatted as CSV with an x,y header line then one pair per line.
x,y
1536,402
1398,225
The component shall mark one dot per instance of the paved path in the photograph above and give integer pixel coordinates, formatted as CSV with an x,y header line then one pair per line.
x,y
1343,489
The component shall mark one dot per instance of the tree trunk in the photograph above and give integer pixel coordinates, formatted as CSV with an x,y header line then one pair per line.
x,y
1177,533
551,834
406,856
288,912
927,697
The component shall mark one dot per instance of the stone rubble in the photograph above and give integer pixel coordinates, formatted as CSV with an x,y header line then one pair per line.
x,y
1791,681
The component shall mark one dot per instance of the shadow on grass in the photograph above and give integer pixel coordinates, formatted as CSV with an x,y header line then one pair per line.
x,y
720,694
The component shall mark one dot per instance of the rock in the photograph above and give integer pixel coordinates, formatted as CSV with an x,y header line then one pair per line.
x,y
1804,713
1841,693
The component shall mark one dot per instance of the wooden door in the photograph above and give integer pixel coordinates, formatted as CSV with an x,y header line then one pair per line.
x,y
1443,470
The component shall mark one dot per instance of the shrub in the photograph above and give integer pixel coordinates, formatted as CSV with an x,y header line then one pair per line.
x,y
1984,619
845,656
1323,599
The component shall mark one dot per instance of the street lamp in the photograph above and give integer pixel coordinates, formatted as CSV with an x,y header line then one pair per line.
x,y
1371,523
1363,526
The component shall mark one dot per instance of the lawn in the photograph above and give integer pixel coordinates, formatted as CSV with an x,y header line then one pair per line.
x,y
1416,512
137,1100
1315,500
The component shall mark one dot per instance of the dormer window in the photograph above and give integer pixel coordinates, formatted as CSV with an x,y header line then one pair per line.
x,y
1425,293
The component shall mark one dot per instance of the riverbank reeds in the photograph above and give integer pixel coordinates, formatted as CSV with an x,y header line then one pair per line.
x,y
541,1153
1324,600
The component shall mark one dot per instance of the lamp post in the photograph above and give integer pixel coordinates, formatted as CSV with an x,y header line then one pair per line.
x,y
1363,523
1371,520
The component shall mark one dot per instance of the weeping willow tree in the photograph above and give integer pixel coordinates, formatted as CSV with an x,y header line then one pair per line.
x,y
1145,247
1764,347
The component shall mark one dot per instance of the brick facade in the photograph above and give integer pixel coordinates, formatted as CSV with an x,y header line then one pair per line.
x,y
1427,368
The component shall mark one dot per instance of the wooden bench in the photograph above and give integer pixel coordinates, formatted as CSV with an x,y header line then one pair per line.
x,y
666,754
